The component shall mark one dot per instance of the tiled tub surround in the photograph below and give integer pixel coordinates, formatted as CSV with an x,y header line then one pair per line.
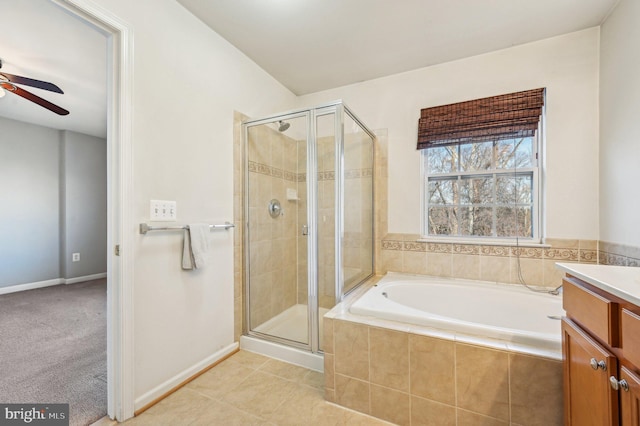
x,y
498,263
412,375
618,254
494,263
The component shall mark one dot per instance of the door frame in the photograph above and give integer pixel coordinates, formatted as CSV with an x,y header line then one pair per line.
x,y
120,223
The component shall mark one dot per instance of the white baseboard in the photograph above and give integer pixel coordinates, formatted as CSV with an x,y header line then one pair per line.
x,y
173,382
30,286
49,283
85,278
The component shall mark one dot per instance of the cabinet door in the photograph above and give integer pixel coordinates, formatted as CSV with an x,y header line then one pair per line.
x,y
589,398
629,398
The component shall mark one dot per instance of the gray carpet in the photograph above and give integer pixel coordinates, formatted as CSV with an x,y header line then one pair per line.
x,y
53,344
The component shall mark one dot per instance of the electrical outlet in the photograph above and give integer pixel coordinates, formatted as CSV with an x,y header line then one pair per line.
x,y
75,257
162,211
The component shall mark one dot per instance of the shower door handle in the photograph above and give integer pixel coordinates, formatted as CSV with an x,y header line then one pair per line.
x,y
305,229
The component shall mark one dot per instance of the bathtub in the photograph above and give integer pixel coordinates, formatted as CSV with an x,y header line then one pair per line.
x,y
508,313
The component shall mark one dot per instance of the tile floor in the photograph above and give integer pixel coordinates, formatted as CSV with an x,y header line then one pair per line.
x,y
250,389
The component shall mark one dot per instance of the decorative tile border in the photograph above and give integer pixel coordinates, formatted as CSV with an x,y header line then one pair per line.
x,y
392,245
561,254
466,249
407,242
267,170
263,169
527,252
617,260
331,175
589,256
439,247
618,254
498,251
414,246
612,259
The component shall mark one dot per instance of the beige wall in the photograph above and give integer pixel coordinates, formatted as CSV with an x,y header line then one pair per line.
x,y
182,151
567,66
619,130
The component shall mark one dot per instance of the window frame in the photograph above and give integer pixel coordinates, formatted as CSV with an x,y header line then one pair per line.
x,y
537,192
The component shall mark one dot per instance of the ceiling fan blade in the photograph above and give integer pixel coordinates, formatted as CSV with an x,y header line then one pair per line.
x,y
31,82
33,98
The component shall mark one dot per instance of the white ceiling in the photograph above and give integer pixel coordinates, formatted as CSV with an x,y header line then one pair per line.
x,y
312,45
308,45
42,41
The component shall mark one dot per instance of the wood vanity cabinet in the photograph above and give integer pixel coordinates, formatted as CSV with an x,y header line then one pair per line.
x,y
601,357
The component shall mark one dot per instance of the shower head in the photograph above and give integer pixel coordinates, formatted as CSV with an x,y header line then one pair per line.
x,y
283,125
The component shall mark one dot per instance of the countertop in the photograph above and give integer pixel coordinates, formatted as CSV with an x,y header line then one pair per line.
x,y
621,281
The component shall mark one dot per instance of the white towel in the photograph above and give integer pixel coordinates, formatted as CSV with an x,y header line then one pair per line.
x,y
196,245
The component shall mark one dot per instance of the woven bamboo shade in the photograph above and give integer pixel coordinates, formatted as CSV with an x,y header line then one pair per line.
x,y
495,118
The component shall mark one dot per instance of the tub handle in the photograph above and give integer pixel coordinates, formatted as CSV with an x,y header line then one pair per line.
x,y
275,209
597,364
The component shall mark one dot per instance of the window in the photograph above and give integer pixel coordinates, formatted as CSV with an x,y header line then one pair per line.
x,y
479,183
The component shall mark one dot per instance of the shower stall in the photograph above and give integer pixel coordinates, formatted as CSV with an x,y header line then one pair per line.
x,y
308,213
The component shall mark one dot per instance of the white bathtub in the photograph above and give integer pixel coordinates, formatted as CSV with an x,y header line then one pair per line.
x,y
508,313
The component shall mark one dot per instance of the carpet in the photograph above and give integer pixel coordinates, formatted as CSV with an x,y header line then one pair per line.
x,y
53,348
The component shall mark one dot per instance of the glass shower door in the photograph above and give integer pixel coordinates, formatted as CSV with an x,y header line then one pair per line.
x,y
326,144
357,181
277,228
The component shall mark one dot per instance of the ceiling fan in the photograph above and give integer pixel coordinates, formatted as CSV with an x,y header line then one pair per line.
x,y
8,82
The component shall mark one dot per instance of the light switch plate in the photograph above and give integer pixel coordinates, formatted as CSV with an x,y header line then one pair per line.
x,y
162,211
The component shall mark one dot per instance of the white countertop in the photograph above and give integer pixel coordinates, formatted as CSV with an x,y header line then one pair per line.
x,y
621,281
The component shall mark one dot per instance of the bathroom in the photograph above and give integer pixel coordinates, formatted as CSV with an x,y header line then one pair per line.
x,y
178,323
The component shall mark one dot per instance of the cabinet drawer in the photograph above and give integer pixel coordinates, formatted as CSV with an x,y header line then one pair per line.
x,y
630,324
592,311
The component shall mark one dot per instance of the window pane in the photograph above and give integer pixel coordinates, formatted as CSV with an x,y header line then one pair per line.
x,y
442,221
514,153
441,191
476,156
476,190
511,222
442,159
514,189
476,220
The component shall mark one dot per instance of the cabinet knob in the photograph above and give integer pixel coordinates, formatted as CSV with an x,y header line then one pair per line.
x,y
615,384
597,364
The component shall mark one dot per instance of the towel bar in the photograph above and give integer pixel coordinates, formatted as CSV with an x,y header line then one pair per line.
x,y
144,228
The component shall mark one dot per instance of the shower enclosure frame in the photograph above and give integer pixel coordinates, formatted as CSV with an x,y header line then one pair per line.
x,y
339,109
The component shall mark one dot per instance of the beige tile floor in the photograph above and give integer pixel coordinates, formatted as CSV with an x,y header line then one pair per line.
x,y
250,389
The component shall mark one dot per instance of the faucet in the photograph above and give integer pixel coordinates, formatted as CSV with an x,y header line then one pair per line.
x,y
556,291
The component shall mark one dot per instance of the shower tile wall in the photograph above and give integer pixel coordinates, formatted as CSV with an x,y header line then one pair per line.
x,y
274,245
358,200
326,221
326,226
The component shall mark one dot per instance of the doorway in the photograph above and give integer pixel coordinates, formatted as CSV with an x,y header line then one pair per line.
x,y
120,221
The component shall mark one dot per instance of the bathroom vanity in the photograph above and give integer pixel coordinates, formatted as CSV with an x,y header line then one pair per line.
x,y
601,344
